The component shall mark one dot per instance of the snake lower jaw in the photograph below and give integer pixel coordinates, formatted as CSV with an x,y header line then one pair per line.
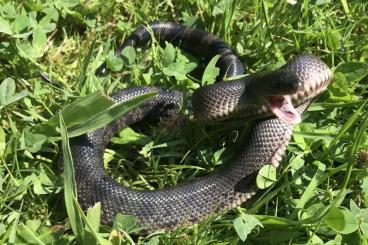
x,y
281,106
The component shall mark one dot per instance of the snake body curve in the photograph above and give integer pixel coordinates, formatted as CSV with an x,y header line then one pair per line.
x,y
226,187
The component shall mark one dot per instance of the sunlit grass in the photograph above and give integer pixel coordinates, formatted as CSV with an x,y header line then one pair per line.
x,y
323,178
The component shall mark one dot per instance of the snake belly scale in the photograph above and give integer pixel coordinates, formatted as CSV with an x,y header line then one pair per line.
x,y
192,201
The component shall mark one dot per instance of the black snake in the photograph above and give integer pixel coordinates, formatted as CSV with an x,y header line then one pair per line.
x,y
261,95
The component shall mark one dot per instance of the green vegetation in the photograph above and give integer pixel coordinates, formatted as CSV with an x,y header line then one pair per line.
x,y
321,192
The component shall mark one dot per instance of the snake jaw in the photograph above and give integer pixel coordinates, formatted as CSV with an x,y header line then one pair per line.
x,y
282,107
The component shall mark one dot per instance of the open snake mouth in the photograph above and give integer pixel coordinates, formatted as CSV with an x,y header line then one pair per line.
x,y
281,106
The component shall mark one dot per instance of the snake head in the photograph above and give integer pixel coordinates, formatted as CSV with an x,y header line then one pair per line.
x,y
274,89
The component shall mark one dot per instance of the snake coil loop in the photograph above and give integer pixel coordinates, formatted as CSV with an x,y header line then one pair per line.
x,y
227,186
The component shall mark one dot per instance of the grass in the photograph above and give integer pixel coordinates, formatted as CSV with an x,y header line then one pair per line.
x,y
321,192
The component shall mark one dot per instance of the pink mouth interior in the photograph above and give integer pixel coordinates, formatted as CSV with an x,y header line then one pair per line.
x,y
282,107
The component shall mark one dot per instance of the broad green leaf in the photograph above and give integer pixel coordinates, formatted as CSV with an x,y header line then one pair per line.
x,y
7,9
266,176
148,76
169,54
18,96
341,220
312,211
316,240
127,223
39,189
114,63
128,55
7,90
5,27
364,214
47,27
219,8
39,42
34,141
190,66
146,150
353,71
334,40
180,68
116,237
176,70
43,184
153,241
128,135
336,241
91,226
34,6
20,23
2,229
35,49
354,208
272,220
364,228
217,156
340,197
93,217
24,49
211,71
45,179
51,15
245,224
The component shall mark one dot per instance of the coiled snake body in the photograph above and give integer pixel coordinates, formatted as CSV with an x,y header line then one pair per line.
x,y
228,186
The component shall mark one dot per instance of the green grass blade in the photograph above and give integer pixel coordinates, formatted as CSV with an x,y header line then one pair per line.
x,y
24,185
89,113
360,137
108,115
77,112
86,62
348,124
13,232
310,190
32,236
345,6
92,226
70,185
93,218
